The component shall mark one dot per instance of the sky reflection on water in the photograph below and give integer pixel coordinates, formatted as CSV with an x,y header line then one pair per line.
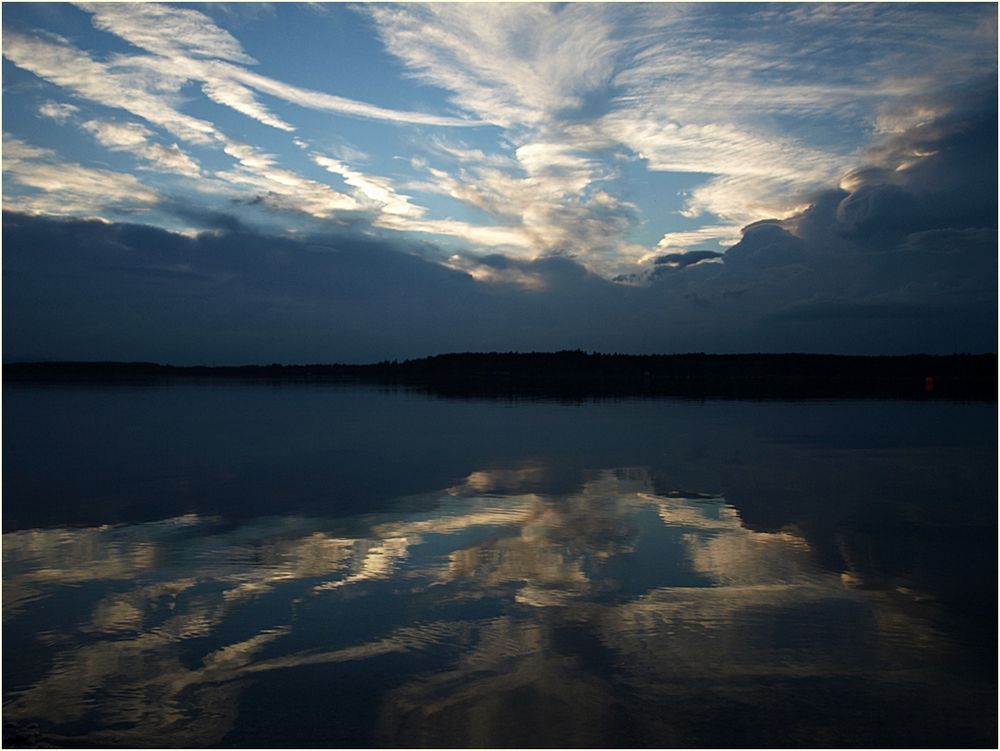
x,y
513,608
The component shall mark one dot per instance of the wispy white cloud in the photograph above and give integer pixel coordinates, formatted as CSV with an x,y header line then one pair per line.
x,y
576,91
135,84
710,98
549,76
231,94
684,88
743,199
170,159
551,193
513,65
61,112
756,175
166,30
342,151
282,188
212,55
680,242
137,140
118,136
177,46
484,238
524,209
377,192
65,188
464,155
319,100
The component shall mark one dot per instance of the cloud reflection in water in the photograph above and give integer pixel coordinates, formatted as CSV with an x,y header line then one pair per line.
x,y
596,617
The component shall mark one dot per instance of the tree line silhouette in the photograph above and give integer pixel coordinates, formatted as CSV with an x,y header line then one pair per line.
x,y
577,374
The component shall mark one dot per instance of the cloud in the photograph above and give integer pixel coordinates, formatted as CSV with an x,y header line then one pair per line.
x,y
722,234
549,198
198,47
513,66
180,45
241,99
138,293
280,187
533,70
147,86
757,174
341,105
167,31
480,236
579,93
61,112
375,191
679,88
766,243
392,211
136,140
890,267
912,243
135,84
118,136
59,187
682,260
904,225
170,159
462,154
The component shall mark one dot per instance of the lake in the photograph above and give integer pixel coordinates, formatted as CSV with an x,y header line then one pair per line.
x,y
248,564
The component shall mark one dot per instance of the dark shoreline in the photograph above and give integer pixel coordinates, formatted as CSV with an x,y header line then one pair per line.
x,y
576,374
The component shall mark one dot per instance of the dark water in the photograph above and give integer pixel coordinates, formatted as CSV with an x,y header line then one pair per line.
x,y
248,565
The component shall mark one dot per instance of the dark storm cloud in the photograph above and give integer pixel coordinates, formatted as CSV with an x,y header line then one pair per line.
x,y
945,166
875,211
207,219
683,260
90,290
903,259
763,245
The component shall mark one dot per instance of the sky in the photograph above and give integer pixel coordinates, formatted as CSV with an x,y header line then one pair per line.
x,y
227,183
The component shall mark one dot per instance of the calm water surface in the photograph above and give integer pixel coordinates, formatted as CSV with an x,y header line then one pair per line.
x,y
299,565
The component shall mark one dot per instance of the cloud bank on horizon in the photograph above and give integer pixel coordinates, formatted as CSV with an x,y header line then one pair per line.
x,y
234,183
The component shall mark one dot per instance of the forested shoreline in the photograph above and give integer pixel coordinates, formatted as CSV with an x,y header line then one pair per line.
x,y
575,373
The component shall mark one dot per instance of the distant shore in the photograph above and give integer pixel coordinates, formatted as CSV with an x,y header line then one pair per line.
x,y
577,374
